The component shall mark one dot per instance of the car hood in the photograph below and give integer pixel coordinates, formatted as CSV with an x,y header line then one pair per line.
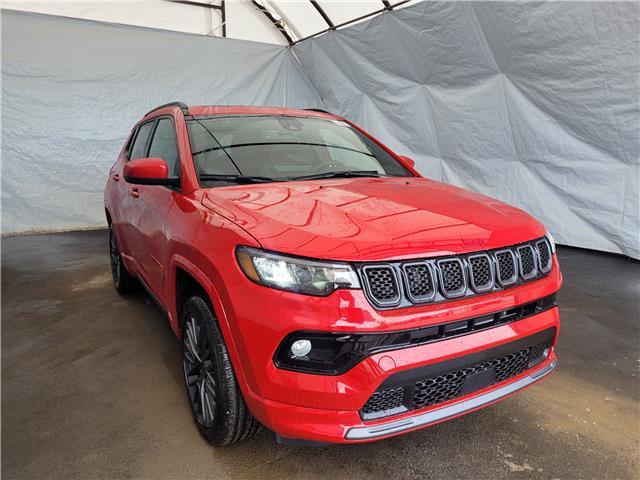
x,y
371,218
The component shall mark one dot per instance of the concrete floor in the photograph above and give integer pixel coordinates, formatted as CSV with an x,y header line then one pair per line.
x,y
91,388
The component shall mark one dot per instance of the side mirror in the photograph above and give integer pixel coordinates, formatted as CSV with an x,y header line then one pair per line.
x,y
148,171
408,161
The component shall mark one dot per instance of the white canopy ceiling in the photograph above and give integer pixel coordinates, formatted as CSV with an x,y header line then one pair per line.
x,y
271,21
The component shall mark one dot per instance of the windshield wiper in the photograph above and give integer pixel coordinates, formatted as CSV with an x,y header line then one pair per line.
x,y
342,174
235,178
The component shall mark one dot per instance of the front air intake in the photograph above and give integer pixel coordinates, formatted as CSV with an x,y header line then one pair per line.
x,y
441,382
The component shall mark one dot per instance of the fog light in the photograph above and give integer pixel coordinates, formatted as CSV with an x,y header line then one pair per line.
x,y
300,348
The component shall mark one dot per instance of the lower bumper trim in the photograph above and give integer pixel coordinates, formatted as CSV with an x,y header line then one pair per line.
x,y
433,416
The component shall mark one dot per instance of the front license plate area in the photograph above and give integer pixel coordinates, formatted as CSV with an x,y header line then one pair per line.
x,y
478,381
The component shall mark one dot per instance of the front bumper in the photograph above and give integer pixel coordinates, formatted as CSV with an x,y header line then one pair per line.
x,y
326,408
450,411
331,423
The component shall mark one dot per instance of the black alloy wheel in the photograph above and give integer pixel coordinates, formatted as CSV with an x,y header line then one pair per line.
x,y
217,404
198,364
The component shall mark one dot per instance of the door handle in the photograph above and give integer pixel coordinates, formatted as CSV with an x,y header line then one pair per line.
x,y
116,176
133,191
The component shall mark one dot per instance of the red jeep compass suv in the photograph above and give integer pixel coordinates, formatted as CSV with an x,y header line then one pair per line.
x,y
319,285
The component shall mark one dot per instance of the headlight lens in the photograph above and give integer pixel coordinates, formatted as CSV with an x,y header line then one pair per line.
x,y
299,275
551,242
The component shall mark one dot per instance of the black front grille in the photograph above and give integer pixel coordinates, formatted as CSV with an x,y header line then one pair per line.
x,y
544,255
507,273
382,283
406,283
446,384
420,284
527,262
452,277
481,272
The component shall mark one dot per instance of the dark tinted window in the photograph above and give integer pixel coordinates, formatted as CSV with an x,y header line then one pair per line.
x,y
283,148
164,146
138,150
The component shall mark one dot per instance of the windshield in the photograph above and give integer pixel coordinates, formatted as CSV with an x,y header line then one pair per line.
x,y
281,148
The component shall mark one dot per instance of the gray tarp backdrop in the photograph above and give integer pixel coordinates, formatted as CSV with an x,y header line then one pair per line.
x,y
73,89
535,104
532,103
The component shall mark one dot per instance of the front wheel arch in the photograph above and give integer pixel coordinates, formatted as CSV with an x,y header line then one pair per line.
x,y
210,378
180,263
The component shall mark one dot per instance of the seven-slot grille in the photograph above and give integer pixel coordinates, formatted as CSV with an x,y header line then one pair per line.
x,y
526,258
481,272
544,255
507,268
416,392
452,279
406,283
382,283
420,283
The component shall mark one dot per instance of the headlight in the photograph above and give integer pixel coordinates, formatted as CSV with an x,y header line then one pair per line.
x,y
299,275
551,242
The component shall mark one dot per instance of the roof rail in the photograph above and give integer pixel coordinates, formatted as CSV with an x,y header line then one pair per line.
x,y
183,106
317,110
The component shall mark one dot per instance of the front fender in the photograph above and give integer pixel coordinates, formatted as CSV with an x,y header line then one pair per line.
x,y
221,311
208,255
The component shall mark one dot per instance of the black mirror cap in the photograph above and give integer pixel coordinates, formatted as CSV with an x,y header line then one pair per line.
x,y
167,182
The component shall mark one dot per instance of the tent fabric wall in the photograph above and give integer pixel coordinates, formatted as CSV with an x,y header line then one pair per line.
x,y
532,103
72,90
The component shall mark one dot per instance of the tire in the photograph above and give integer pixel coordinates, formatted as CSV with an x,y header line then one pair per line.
x,y
217,405
123,281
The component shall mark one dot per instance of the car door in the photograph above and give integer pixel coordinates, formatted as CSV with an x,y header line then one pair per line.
x,y
153,204
128,236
